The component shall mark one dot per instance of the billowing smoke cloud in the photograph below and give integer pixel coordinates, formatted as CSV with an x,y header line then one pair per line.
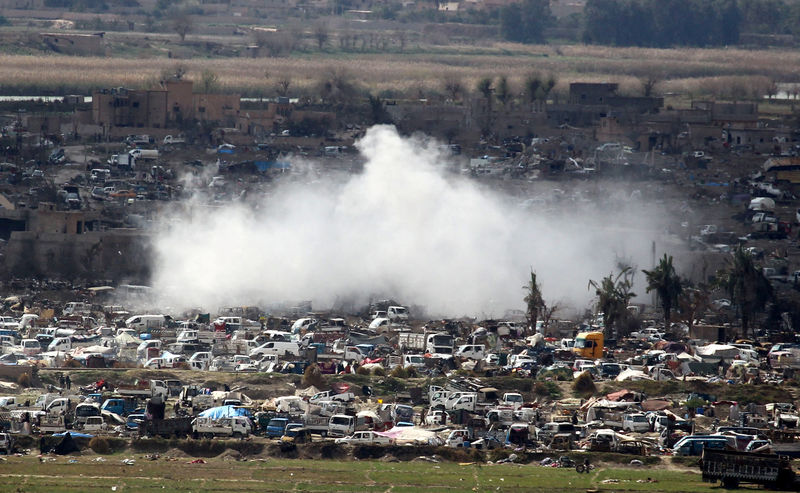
x,y
403,228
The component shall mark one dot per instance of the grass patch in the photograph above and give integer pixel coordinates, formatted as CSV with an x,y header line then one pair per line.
x,y
26,473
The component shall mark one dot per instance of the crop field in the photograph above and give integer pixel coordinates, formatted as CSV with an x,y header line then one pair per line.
x,y
109,473
731,73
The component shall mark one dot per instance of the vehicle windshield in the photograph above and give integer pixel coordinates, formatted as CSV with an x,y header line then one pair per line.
x,y
86,411
583,343
340,420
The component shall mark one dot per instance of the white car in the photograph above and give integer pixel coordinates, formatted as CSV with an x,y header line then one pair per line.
x,y
366,437
436,417
492,359
155,363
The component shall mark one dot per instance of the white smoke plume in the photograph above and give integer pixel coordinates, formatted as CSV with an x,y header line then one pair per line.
x,y
403,228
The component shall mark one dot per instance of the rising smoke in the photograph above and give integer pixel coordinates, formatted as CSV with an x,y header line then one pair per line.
x,y
403,228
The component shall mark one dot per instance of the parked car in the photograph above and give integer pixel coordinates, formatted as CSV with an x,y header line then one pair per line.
x,y
365,437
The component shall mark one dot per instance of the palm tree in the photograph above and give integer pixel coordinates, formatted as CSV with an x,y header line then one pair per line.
x,y
692,302
745,283
533,300
613,295
666,283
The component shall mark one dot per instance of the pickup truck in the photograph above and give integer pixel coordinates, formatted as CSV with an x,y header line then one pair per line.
x,y
145,388
365,438
10,402
406,361
121,406
166,428
276,427
331,396
236,427
174,139
316,423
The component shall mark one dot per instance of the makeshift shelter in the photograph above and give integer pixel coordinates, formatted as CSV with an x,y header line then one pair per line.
x,y
224,412
632,375
410,435
66,445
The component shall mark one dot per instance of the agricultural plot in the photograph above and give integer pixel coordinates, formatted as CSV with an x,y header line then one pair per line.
x,y
109,473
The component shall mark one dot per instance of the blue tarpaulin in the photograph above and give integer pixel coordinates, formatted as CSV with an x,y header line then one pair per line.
x,y
265,165
73,434
224,412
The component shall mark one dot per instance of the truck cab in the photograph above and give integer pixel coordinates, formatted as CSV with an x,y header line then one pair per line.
x,y
471,351
589,345
512,399
276,427
341,425
456,438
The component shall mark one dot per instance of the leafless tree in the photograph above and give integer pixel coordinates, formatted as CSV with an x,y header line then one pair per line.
x,y
321,34
453,86
182,24
277,43
177,72
402,39
283,85
649,83
209,82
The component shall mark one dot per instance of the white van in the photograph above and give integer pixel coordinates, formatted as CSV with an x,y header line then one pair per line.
x,y
471,351
146,322
76,307
397,313
278,348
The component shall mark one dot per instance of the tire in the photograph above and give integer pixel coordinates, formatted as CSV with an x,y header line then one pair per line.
x,y
730,483
579,468
208,436
237,435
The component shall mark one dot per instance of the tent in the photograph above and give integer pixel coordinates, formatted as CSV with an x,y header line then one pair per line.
x,y
67,444
631,374
409,435
224,412
127,340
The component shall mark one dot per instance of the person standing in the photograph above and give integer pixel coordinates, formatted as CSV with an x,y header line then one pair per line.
x,y
68,382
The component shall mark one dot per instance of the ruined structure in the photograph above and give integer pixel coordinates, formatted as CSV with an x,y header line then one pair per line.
x,y
70,244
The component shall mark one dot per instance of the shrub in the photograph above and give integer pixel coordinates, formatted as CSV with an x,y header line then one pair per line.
x,y
100,445
313,376
584,384
394,385
379,371
362,371
562,374
547,389
24,380
107,445
152,444
399,372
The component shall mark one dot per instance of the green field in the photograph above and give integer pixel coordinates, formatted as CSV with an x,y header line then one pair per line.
x,y
83,473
